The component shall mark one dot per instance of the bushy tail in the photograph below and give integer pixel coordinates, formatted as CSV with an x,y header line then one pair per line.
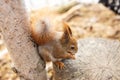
x,y
41,32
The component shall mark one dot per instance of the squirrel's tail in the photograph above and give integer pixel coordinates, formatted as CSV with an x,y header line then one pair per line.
x,y
41,32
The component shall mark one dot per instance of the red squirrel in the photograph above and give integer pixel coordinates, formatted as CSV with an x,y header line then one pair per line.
x,y
54,46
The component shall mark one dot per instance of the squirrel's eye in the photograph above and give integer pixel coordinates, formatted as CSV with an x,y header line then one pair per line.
x,y
72,47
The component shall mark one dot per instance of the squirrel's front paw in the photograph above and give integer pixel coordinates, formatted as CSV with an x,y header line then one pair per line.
x,y
59,64
70,56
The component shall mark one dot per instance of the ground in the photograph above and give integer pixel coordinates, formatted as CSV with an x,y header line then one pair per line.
x,y
93,20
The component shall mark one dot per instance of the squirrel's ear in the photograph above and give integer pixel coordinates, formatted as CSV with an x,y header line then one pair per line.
x,y
67,28
67,33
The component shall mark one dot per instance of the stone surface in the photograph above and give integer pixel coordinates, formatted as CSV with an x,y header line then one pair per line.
x,y
97,59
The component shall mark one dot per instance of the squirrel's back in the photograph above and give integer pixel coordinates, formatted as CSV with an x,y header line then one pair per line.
x,y
41,32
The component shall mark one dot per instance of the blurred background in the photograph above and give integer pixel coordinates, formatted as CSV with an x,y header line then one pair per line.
x,y
87,18
33,5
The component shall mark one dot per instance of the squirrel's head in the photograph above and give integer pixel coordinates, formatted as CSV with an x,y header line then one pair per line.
x,y
68,42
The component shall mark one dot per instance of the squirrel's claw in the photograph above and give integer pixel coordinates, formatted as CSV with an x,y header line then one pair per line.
x,y
59,64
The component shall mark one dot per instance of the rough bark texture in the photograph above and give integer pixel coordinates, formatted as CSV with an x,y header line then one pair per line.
x,y
15,27
97,59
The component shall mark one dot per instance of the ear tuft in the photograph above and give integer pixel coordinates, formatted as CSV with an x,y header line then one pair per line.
x,y
67,28
67,33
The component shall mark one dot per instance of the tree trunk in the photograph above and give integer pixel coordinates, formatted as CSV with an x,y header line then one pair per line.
x,y
15,29
97,59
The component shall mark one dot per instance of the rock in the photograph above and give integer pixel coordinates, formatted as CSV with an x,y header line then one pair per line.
x,y
97,59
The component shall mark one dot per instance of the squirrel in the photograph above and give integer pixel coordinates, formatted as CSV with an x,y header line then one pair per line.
x,y
53,45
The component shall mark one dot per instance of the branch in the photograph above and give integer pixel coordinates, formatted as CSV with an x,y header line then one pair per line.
x,y
15,29
66,7
97,59
73,12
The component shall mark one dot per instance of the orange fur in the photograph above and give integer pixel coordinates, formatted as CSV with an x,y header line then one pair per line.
x,y
42,36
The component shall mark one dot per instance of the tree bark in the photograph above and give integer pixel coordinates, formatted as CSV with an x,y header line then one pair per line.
x,y
97,59
15,29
